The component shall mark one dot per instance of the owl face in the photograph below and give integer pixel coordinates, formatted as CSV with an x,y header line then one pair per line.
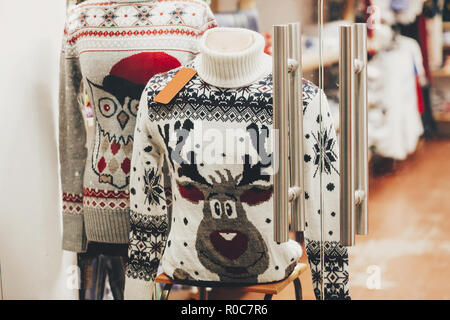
x,y
115,103
115,106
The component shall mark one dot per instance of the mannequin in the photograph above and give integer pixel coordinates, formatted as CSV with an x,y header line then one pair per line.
x,y
113,55
221,227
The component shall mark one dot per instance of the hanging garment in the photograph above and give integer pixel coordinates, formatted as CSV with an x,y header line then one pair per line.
x,y
214,140
380,9
417,31
394,120
419,91
411,11
400,5
114,48
434,27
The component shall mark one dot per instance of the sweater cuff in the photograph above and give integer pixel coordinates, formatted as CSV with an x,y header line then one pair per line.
x,y
74,235
138,289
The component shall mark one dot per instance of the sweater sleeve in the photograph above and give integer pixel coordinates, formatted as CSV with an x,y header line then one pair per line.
x,y
209,21
148,209
322,182
72,149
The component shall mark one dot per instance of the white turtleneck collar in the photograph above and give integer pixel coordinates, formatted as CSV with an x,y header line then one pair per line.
x,y
233,70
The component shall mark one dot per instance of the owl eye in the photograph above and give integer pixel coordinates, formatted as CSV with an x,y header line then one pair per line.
x,y
134,107
216,210
107,107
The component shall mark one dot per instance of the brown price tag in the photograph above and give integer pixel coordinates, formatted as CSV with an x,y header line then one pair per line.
x,y
175,85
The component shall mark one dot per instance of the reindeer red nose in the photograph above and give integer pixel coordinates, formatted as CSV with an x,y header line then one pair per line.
x,y
229,243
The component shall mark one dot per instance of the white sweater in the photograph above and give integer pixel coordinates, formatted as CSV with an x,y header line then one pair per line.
x,y
210,146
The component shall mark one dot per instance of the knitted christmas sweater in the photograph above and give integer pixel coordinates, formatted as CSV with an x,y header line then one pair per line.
x,y
210,147
113,48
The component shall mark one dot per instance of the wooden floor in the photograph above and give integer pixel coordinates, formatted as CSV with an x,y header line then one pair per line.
x,y
409,240
407,253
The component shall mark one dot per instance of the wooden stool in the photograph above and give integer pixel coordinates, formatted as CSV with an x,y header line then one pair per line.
x,y
268,289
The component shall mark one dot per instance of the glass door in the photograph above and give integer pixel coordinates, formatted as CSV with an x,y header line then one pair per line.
x,y
318,159
319,231
393,170
332,152
342,75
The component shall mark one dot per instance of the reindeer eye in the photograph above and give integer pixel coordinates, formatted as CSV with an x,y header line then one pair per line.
x,y
230,209
216,210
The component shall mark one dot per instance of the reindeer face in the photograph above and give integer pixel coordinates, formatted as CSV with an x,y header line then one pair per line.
x,y
227,242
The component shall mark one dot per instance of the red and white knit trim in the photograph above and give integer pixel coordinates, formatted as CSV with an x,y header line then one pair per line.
x,y
72,203
94,198
135,32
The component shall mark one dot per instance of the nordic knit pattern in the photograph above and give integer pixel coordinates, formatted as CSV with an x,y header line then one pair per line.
x,y
217,208
113,48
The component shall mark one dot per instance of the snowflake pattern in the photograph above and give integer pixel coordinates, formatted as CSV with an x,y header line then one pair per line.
x,y
200,101
177,15
143,15
325,156
308,93
147,242
334,274
153,189
133,15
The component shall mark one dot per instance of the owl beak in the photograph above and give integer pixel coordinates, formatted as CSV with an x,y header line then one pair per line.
x,y
123,118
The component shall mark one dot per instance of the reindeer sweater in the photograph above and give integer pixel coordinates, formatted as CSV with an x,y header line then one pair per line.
x,y
200,166
113,48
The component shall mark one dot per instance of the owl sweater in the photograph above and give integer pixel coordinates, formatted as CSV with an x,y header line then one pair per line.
x,y
202,168
113,48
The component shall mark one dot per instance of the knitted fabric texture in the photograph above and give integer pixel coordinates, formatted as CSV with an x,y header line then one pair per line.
x,y
220,204
112,49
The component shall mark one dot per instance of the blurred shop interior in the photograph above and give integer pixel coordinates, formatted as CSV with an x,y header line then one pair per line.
x,y
406,254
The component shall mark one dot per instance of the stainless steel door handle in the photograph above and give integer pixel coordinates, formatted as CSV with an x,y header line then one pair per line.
x,y
296,126
288,121
353,132
280,125
361,129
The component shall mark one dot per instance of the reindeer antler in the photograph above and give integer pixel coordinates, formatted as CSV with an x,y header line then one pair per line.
x,y
229,180
188,168
252,173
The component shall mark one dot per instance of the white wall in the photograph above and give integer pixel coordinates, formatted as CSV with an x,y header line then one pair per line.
x,y
33,264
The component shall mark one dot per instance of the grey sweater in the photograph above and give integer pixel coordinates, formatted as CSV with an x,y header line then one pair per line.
x,y
111,49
